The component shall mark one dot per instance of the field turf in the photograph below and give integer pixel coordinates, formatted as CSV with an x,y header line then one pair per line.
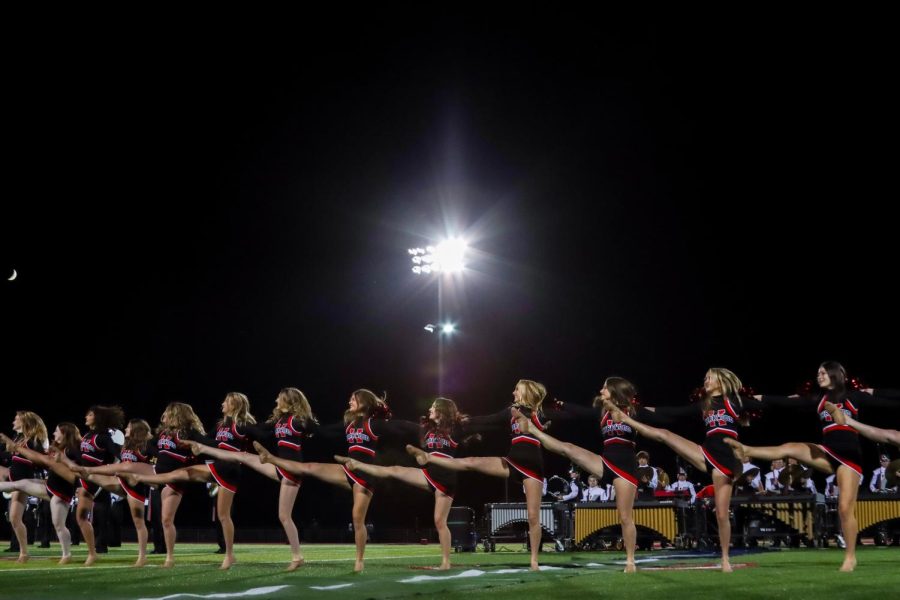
x,y
399,571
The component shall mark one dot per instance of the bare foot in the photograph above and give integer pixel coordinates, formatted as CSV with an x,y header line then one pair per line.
x,y
140,562
65,560
444,567
227,563
849,565
630,568
420,455
91,559
132,479
358,567
726,567
837,415
347,462
23,558
264,455
170,562
534,566
739,450
295,564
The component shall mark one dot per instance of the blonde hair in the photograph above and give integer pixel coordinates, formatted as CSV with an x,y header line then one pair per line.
x,y
297,405
180,417
33,427
240,409
534,393
368,404
729,383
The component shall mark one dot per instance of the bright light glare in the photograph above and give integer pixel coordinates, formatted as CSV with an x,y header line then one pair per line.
x,y
448,257
450,254
448,328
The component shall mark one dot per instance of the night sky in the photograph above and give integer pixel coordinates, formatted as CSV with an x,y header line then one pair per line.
x,y
195,208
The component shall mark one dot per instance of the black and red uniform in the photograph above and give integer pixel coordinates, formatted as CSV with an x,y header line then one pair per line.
x,y
722,420
363,438
441,444
141,490
60,487
231,437
839,442
97,448
525,455
618,451
362,442
290,432
619,441
20,467
170,455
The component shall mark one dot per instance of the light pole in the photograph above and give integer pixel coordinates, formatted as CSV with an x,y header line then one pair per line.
x,y
442,260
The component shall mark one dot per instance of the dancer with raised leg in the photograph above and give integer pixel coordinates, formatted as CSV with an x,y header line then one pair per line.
x,y
364,425
839,453
617,464
231,435
721,411
66,438
291,422
134,458
437,439
31,434
524,459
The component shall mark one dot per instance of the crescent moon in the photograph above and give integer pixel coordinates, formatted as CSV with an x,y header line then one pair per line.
x,y
13,276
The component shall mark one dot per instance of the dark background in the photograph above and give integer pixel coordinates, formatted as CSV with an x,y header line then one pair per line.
x,y
197,205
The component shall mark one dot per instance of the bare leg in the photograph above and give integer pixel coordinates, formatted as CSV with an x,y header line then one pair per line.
x,y
408,475
489,465
533,492
687,449
170,501
16,511
287,495
848,482
327,472
114,468
876,434
442,504
109,483
586,459
136,508
722,487
31,487
59,511
245,458
625,493
55,464
808,454
82,515
361,499
197,473
223,509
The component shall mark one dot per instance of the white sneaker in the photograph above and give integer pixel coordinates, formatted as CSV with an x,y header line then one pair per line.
x,y
840,541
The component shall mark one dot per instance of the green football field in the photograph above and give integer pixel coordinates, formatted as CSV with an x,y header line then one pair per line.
x,y
400,571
